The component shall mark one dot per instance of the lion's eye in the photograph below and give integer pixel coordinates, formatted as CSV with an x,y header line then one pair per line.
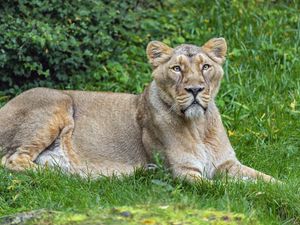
x,y
176,68
205,67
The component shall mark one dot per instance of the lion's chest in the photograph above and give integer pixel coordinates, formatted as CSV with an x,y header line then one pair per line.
x,y
205,160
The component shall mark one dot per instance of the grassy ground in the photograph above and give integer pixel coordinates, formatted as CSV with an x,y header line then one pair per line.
x,y
260,106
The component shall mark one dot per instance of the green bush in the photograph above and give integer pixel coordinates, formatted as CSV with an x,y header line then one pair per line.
x,y
60,43
99,45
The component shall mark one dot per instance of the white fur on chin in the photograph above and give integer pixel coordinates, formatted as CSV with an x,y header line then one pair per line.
x,y
194,112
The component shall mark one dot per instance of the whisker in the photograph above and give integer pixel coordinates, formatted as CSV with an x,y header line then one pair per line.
x,y
182,97
171,108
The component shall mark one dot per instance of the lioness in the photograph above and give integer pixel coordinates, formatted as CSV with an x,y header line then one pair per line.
x,y
113,133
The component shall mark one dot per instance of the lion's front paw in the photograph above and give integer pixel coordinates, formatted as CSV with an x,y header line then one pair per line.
x,y
192,176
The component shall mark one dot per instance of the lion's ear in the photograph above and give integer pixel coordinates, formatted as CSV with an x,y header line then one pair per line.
x,y
216,48
158,53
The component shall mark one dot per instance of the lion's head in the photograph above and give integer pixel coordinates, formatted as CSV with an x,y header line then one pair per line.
x,y
188,77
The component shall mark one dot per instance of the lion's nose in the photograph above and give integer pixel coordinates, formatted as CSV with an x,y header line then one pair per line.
x,y
194,90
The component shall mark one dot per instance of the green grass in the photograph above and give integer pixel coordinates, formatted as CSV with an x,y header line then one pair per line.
x,y
260,105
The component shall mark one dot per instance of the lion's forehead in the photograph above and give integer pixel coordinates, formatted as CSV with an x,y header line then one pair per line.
x,y
188,50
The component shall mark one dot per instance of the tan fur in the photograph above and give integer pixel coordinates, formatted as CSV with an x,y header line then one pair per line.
x,y
112,133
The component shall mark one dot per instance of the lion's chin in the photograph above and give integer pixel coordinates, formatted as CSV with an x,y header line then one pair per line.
x,y
194,111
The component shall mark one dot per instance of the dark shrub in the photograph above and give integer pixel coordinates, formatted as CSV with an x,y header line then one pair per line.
x,y
58,43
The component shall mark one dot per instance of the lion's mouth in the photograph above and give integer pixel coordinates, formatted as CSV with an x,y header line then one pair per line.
x,y
195,102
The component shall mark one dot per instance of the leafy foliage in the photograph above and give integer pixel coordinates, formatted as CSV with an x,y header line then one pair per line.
x,y
57,43
99,45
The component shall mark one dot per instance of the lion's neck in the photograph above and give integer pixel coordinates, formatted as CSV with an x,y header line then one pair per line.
x,y
158,98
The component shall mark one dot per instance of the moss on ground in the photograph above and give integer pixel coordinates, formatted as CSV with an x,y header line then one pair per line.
x,y
131,215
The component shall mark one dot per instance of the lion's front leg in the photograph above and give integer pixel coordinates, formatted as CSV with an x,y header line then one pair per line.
x,y
237,170
190,165
187,172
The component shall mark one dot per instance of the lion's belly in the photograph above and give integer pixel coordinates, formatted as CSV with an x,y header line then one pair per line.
x,y
121,145
54,156
106,129
105,135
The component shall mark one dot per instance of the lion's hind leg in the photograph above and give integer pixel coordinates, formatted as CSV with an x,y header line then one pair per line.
x,y
39,130
29,145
